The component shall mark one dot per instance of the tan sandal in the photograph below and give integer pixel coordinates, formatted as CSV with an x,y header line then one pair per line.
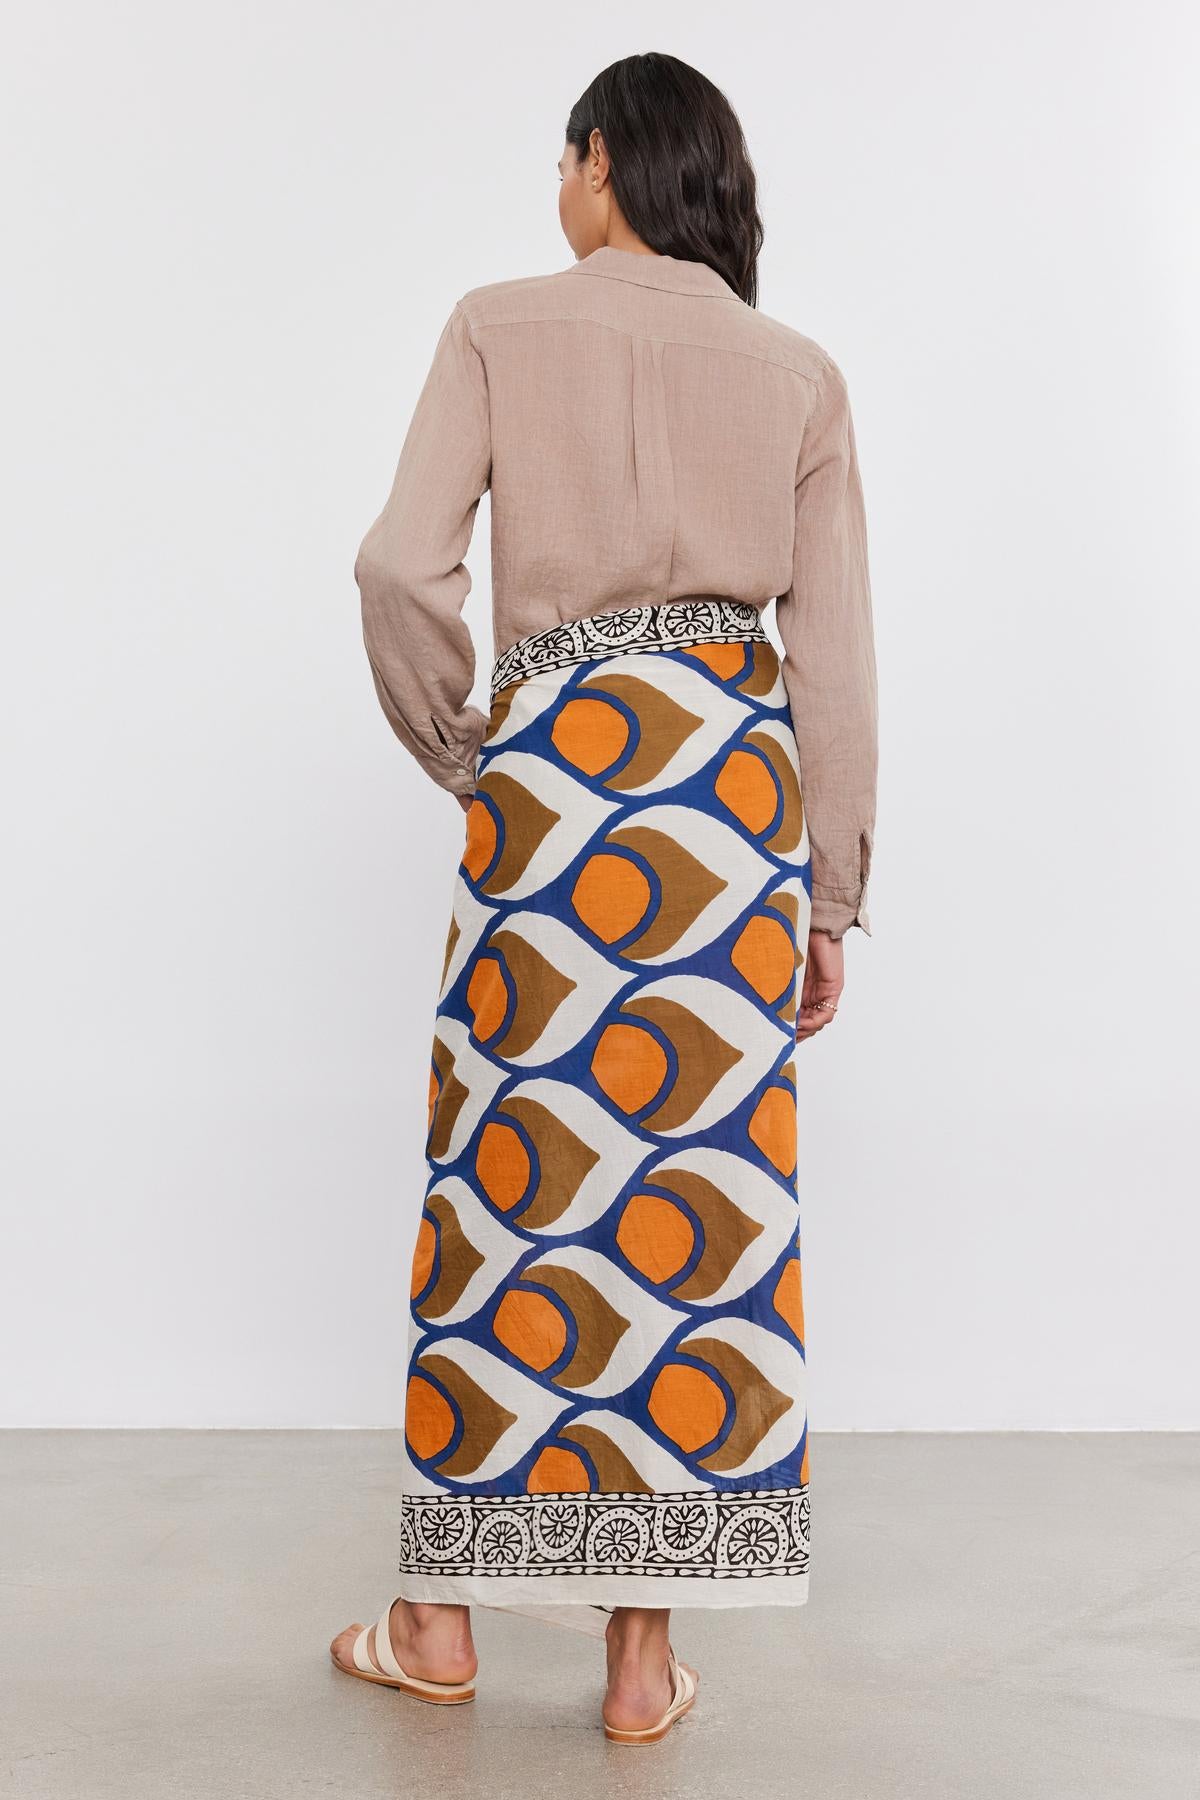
x,y
683,1696
379,1636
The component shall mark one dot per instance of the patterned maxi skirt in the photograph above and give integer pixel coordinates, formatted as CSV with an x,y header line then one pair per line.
x,y
606,1400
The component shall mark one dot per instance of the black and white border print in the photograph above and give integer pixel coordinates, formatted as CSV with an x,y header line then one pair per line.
x,y
662,627
715,1536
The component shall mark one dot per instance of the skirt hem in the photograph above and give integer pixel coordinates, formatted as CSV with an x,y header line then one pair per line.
x,y
517,1592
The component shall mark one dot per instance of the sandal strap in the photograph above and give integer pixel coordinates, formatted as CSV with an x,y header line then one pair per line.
x,y
384,1653
682,1684
362,1656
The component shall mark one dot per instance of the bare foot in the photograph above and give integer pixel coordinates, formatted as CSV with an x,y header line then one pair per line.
x,y
431,1642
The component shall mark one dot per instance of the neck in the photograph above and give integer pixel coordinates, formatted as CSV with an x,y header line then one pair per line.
x,y
622,237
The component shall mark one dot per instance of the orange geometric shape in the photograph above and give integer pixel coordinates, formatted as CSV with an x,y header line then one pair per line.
x,y
531,1326
589,734
424,1255
765,956
655,1236
723,659
557,1471
773,1128
487,997
480,848
746,786
435,1088
804,1465
502,1165
611,896
630,1066
687,1406
428,1418
788,1298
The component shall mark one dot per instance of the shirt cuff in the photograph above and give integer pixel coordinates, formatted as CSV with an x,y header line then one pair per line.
x,y
458,753
835,911
838,906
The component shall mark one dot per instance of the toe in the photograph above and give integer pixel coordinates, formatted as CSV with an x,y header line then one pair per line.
x,y
342,1647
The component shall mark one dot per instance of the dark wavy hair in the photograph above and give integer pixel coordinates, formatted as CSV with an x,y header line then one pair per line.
x,y
680,169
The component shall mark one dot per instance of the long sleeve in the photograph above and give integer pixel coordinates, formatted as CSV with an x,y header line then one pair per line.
x,y
825,622
410,571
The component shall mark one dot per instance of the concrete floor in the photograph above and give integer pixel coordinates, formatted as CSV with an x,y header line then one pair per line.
x,y
992,1618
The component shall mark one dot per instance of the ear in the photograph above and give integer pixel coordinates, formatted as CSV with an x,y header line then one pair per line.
x,y
598,164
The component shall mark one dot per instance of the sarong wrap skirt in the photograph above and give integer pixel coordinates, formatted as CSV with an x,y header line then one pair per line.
x,y
606,1400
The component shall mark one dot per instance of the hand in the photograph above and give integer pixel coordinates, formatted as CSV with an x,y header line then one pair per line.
x,y
824,979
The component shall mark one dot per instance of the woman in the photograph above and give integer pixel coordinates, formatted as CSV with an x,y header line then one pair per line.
x,y
605,1400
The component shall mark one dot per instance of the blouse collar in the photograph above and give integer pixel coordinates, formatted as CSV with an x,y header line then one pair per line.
x,y
648,269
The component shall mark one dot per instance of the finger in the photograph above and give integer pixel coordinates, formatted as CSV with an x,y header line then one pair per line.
x,y
825,1006
817,993
815,1018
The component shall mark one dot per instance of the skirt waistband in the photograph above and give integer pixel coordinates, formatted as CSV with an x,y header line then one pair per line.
x,y
667,625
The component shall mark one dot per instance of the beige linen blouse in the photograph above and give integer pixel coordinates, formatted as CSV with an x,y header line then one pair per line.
x,y
646,436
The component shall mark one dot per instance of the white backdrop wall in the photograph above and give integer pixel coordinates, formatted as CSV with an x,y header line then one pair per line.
x,y
234,234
